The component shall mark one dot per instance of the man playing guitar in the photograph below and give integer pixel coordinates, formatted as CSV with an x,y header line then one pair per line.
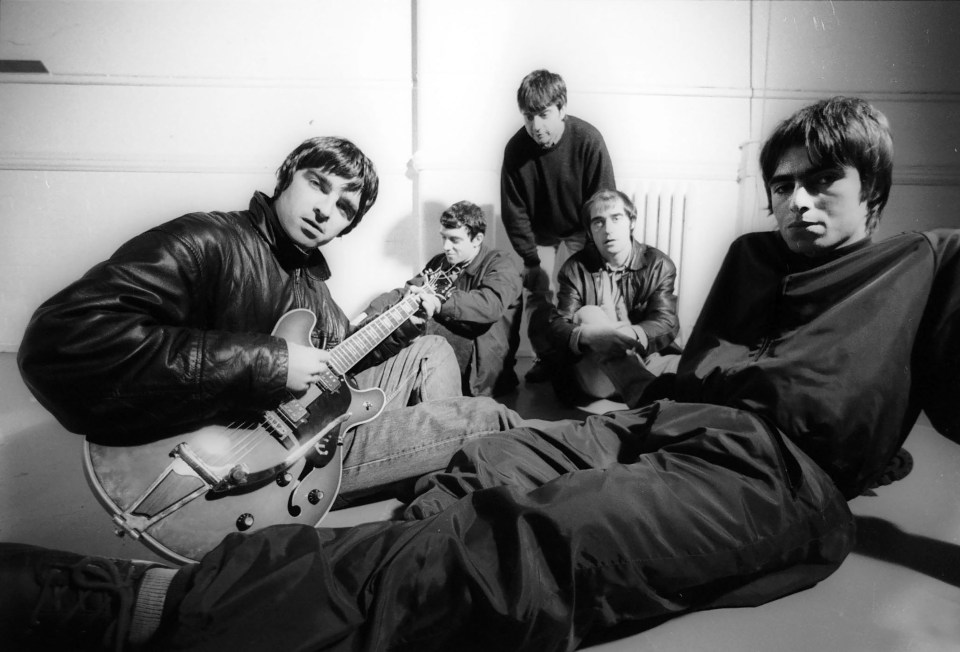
x,y
176,330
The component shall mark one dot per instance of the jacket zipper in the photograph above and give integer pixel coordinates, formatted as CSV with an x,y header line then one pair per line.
x,y
297,290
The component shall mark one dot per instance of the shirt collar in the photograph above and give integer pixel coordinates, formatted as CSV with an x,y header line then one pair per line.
x,y
635,261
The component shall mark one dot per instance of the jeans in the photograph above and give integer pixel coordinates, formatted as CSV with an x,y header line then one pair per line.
x,y
426,419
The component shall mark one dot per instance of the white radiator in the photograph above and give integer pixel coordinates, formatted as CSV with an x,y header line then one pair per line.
x,y
661,217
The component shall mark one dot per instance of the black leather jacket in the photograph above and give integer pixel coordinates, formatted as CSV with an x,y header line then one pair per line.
x,y
648,291
175,327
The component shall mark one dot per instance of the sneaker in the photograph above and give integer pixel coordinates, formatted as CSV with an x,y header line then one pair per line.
x,y
897,468
55,600
541,371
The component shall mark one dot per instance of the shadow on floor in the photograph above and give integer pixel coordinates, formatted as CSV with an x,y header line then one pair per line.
x,y
881,539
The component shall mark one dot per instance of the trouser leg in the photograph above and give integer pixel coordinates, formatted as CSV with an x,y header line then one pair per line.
x,y
540,292
424,371
626,377
412,441
711,509
537,300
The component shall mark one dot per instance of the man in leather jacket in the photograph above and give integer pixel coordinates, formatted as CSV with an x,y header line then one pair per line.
x,y
175,328
616,314
481,317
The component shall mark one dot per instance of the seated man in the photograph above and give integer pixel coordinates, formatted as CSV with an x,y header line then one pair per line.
x,y
480,319
793,392
175,328
616,314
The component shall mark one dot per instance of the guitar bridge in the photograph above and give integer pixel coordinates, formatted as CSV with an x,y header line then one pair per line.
x,y
279,429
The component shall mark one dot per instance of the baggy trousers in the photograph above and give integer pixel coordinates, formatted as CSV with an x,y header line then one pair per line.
x,y
536,539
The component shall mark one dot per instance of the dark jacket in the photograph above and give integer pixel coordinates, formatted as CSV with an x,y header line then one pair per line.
x,y
542,190
480,319
175,327
839,353
647,285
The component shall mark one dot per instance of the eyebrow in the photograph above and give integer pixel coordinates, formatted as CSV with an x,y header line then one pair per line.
x,y
805,174
600,217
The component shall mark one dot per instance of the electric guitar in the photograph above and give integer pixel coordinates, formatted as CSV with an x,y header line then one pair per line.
x,y
182,494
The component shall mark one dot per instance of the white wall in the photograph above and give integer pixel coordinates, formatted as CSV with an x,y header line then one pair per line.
x,y
901,56
155,108
158,108
656,78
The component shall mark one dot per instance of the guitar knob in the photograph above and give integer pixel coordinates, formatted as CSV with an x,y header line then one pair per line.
x,y
315,496
284,479
245,522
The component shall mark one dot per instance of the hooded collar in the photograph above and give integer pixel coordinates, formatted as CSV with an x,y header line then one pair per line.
x,y
290,256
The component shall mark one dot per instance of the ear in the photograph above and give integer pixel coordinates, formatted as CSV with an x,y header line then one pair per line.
x,y
478,238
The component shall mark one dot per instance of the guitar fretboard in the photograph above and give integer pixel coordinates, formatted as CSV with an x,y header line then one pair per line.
x,y
349,352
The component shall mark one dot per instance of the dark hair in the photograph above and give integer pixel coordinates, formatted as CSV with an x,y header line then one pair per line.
x,y
336,156
465,213
605,196
842,131
541,89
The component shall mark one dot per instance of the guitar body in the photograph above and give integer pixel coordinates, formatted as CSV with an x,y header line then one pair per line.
x,y
165,493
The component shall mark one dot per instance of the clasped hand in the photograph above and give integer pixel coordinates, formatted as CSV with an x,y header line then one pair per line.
x,y
608,340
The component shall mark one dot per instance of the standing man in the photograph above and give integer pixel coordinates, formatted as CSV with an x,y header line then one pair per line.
x,y
616,316
175,329
481,317
550,167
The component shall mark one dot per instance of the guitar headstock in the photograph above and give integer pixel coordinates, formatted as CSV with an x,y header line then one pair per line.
x,y
441,282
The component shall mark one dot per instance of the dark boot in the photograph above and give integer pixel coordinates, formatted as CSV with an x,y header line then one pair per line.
x,y
541,371
55,600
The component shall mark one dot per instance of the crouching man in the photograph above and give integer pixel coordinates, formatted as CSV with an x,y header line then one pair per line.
x,y
616,315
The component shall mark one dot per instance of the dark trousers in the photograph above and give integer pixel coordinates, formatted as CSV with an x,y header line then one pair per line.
x,y
536,539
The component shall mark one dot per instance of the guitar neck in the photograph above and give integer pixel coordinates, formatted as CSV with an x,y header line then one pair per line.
x,y
349,352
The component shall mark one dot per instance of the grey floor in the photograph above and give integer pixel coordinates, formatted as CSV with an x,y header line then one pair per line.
x,y
899,592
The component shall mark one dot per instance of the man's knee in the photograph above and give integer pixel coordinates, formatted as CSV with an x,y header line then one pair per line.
x,y
485,413
591,315
434,347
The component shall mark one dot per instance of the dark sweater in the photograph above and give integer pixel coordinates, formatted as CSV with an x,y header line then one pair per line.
x,y
840,353
542,190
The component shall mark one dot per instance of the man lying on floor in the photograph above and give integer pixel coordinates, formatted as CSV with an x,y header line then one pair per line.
x,y
813,356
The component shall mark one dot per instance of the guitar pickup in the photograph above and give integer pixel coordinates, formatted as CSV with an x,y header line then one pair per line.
x,y
329,380
293,411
